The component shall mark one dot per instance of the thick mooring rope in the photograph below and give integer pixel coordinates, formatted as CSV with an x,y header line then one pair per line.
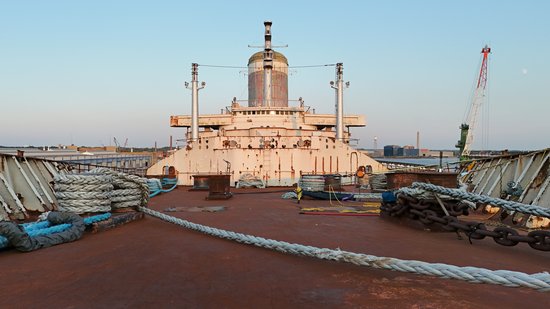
x,y
476,198
537,281
129,190
45,227
100,190
156,185
83,193
422,194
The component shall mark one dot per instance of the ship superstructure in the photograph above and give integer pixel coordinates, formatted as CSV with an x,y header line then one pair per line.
x,y
268,138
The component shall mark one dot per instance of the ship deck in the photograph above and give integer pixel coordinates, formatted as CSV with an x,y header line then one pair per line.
x,y
151,263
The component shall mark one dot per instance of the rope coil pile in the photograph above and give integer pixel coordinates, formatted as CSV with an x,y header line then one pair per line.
x,y
100,190
312,182
378,181
128,191
83,193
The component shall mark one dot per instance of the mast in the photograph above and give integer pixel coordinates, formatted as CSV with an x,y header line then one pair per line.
x,y
195,101
339,100
268,64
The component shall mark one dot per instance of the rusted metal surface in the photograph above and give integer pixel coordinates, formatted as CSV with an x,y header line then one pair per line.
x,y
200,182
398,180
333,182
219,187
150,263
115,221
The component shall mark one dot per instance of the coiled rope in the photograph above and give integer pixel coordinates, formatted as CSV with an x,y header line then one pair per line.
x,y
45,227
100,190
421,194
537,281
156,185
128,191
83,193
476,198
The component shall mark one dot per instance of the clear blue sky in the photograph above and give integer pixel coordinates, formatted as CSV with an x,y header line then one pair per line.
x,y
85,71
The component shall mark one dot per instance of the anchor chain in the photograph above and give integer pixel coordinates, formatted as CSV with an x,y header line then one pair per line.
x,y
429,211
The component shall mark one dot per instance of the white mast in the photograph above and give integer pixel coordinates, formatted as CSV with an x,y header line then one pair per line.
x,y
195,101
339,100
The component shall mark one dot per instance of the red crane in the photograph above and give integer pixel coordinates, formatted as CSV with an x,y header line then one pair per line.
x,y
467,128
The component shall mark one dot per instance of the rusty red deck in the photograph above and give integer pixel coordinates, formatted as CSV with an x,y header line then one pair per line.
x,y
150,263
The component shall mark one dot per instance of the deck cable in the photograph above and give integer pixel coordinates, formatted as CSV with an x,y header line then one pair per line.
x,y
477,198
538,281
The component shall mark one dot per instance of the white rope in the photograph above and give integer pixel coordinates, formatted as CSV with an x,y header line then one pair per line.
x,y
134,203
99,190
126,185
70,188
121,192
84,203
125,198
79,180
420,193
82,208
129,190
537,281
476,198
85,195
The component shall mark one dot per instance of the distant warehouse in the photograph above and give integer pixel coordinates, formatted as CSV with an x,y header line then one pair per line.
x,y
398,151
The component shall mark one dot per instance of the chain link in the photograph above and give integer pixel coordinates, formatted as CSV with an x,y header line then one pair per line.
x,y
430,212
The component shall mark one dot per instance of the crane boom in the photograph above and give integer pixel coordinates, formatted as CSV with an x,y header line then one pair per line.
x,y
467,128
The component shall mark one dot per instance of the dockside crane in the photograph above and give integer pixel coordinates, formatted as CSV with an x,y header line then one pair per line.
x,y
118,146
479,96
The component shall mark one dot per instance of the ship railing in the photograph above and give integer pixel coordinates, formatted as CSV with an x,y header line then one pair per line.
x,y
78,167
307,108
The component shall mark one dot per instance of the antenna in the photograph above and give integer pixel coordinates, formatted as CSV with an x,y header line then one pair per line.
x,y
262,46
